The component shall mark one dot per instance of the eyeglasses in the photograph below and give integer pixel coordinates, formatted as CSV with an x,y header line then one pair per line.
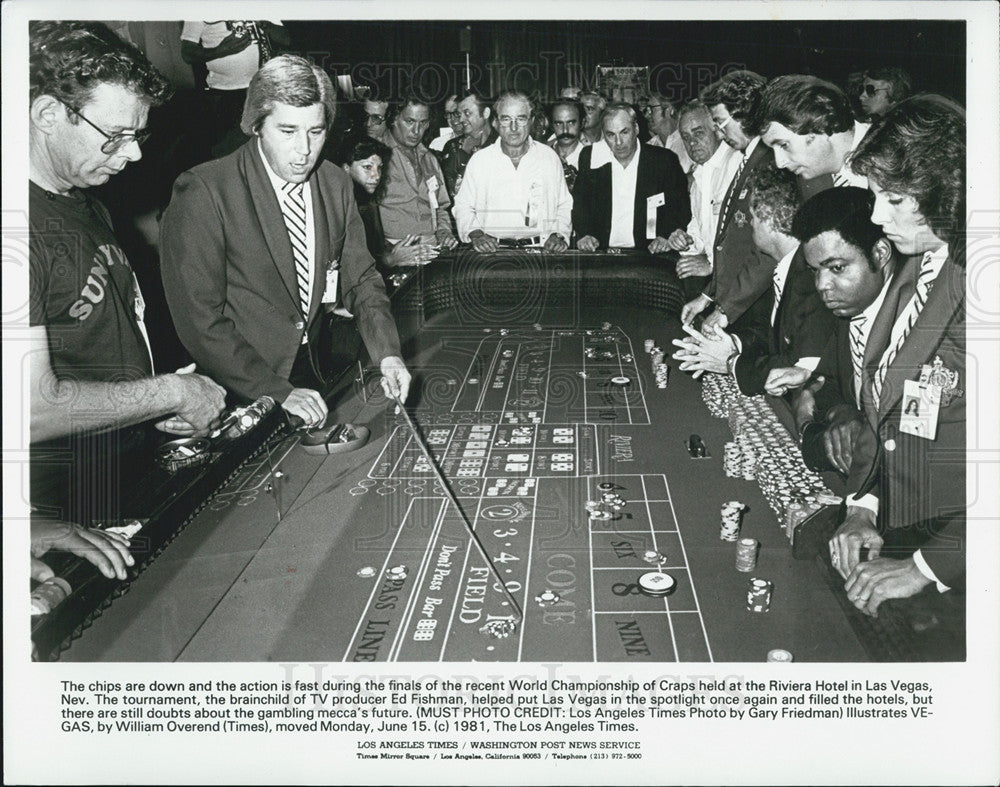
x,y
115,142
519,120
871,90
376,118
455,114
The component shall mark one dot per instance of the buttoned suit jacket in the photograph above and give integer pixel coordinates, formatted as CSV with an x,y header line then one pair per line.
x,y
741,274
801,329
229,274
920,483
659,172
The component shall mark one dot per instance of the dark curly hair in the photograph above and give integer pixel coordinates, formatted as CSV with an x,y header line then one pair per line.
x,y
804,105
68,60
774,197
846,211
739,92
358,146
918,149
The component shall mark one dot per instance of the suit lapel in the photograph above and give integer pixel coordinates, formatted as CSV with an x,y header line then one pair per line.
x,y
272,223
732,193
942,304
644,184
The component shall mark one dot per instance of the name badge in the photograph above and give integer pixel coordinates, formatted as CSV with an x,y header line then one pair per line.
x,y
652,203
921,405
432,198
332,280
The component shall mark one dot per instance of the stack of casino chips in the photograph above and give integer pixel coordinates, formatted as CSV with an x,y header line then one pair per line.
x,y
656,357
662,372
779,468
732,460
732,517
746,555
759,595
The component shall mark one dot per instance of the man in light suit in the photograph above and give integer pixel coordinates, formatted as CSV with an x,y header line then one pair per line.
x,y
255,245
627,194
741,276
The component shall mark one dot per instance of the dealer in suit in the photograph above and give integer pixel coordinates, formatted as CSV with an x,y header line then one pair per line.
x,y
626,193
257,245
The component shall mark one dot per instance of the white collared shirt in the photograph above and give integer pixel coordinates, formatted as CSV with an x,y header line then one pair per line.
x,y
675,142
780,277
848,177
505,201
623,180
573,159
277,182
708,189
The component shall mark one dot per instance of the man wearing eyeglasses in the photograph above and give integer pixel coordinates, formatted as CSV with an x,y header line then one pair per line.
x,y
514,192
454,119
477,132
662,118
376,111
93,389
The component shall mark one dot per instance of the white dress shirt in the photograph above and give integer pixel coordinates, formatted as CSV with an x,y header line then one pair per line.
x,y
623,180
845,177
708,188
675,142
505,201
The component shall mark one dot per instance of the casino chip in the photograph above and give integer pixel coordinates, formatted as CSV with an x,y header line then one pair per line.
x,y
366,572
547,598
620,380
656,583
499,629
396,572
653,557
779,655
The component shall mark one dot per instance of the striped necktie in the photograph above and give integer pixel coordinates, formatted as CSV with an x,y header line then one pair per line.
x,y
905,323
857,337
840,180
293,209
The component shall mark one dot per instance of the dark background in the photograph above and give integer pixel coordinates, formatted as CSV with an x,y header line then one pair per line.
x,y
683,56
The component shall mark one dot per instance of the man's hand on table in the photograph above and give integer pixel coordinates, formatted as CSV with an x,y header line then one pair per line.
x,y
883,578
705,351
483,243
780,381
556,243
307,404
679,240
445,239
409,251
698,265
587,243
659,245
856,532
108,552
693,308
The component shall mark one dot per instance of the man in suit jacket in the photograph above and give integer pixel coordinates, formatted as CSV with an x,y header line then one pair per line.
x,y
255,244
854,268
909,487
799,325
628,194
741,275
